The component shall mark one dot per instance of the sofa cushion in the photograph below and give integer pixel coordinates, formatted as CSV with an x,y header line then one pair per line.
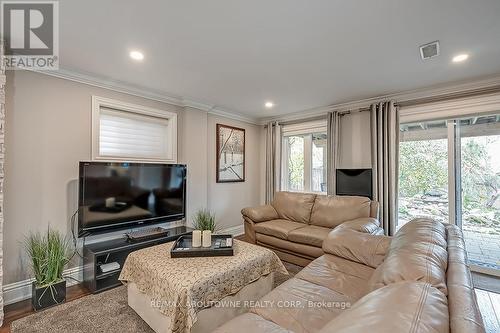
x,y
399,307
357,246
297,249
294,206
301,306
338,274
330,211
250,323
310,235
416,253
260,213
277,228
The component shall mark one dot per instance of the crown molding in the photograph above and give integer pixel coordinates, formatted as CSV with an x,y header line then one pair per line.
x,y
113,85
151,94
164,97
217,111
404,96
231,115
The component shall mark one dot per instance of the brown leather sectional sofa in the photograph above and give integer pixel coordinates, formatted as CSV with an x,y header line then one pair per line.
x,y
294,225
416,281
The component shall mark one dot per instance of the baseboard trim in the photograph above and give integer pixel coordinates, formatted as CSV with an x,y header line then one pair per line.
x,y
20,291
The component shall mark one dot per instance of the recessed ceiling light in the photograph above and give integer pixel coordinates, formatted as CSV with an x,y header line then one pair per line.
x,y
136,55
269,105
460,57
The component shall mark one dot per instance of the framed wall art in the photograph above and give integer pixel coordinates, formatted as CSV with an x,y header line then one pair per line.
x,y
230,154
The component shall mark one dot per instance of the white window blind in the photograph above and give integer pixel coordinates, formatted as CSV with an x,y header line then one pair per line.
x,y
127,134
125,131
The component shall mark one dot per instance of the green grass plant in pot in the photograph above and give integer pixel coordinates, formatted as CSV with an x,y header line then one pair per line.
x,y
49,253
204,219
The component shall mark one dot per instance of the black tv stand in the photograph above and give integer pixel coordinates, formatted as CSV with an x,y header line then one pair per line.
x,y
116,250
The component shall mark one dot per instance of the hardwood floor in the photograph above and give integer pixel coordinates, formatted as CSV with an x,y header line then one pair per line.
x,y
22,309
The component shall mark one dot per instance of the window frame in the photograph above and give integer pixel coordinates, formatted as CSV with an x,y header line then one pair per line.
x,y
306,130
101,102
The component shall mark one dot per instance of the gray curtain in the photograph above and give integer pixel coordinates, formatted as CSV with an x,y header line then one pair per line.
x,y
385,158
333,150
273,160
2,158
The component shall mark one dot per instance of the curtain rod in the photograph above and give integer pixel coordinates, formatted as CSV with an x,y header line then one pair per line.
x,y
412,102
445,97
344,113
302,120
368,108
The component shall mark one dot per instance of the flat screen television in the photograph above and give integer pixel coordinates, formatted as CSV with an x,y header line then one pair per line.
x,y
354,182
124,195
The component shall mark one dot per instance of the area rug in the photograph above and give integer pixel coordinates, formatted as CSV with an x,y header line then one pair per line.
x,y
104,312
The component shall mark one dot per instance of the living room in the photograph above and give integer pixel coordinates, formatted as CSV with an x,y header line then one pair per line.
x,y
320,148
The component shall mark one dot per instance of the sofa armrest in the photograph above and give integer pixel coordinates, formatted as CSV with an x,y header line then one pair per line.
x,y
360,247
260,213
367,225
249,226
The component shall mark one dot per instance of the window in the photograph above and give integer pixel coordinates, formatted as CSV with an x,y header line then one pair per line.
x,y
124,131
304,157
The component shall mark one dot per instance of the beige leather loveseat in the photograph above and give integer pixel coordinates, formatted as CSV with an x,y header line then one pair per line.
x,y
417,281
294,225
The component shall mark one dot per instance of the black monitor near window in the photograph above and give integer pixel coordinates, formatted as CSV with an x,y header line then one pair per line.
x,y
354,182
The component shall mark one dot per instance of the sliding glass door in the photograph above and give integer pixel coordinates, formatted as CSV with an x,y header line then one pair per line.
x,y
480,184
450,171
423,171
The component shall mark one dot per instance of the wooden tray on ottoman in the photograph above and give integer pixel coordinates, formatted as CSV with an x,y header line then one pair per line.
x,y
182,248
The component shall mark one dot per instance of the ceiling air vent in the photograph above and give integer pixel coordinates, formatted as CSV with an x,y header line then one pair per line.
x,y
430,50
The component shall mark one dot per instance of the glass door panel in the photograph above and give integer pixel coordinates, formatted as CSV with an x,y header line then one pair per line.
x,y
423,171
480,183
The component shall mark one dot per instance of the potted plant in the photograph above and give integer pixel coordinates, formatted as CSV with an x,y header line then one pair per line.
x,y
204,219
49,253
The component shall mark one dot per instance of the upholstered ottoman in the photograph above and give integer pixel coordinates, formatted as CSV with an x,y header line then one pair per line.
x,y
197,294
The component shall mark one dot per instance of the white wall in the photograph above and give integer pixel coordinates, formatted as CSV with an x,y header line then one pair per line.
x,y
193,145
48,131
355,151
227,199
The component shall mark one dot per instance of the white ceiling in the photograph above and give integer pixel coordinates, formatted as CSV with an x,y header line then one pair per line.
x,y
301,54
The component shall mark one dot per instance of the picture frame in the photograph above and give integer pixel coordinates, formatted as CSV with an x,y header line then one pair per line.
x,y
230,154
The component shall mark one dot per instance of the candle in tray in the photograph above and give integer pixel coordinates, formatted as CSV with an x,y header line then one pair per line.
x,y
110,202
207,238
196,238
